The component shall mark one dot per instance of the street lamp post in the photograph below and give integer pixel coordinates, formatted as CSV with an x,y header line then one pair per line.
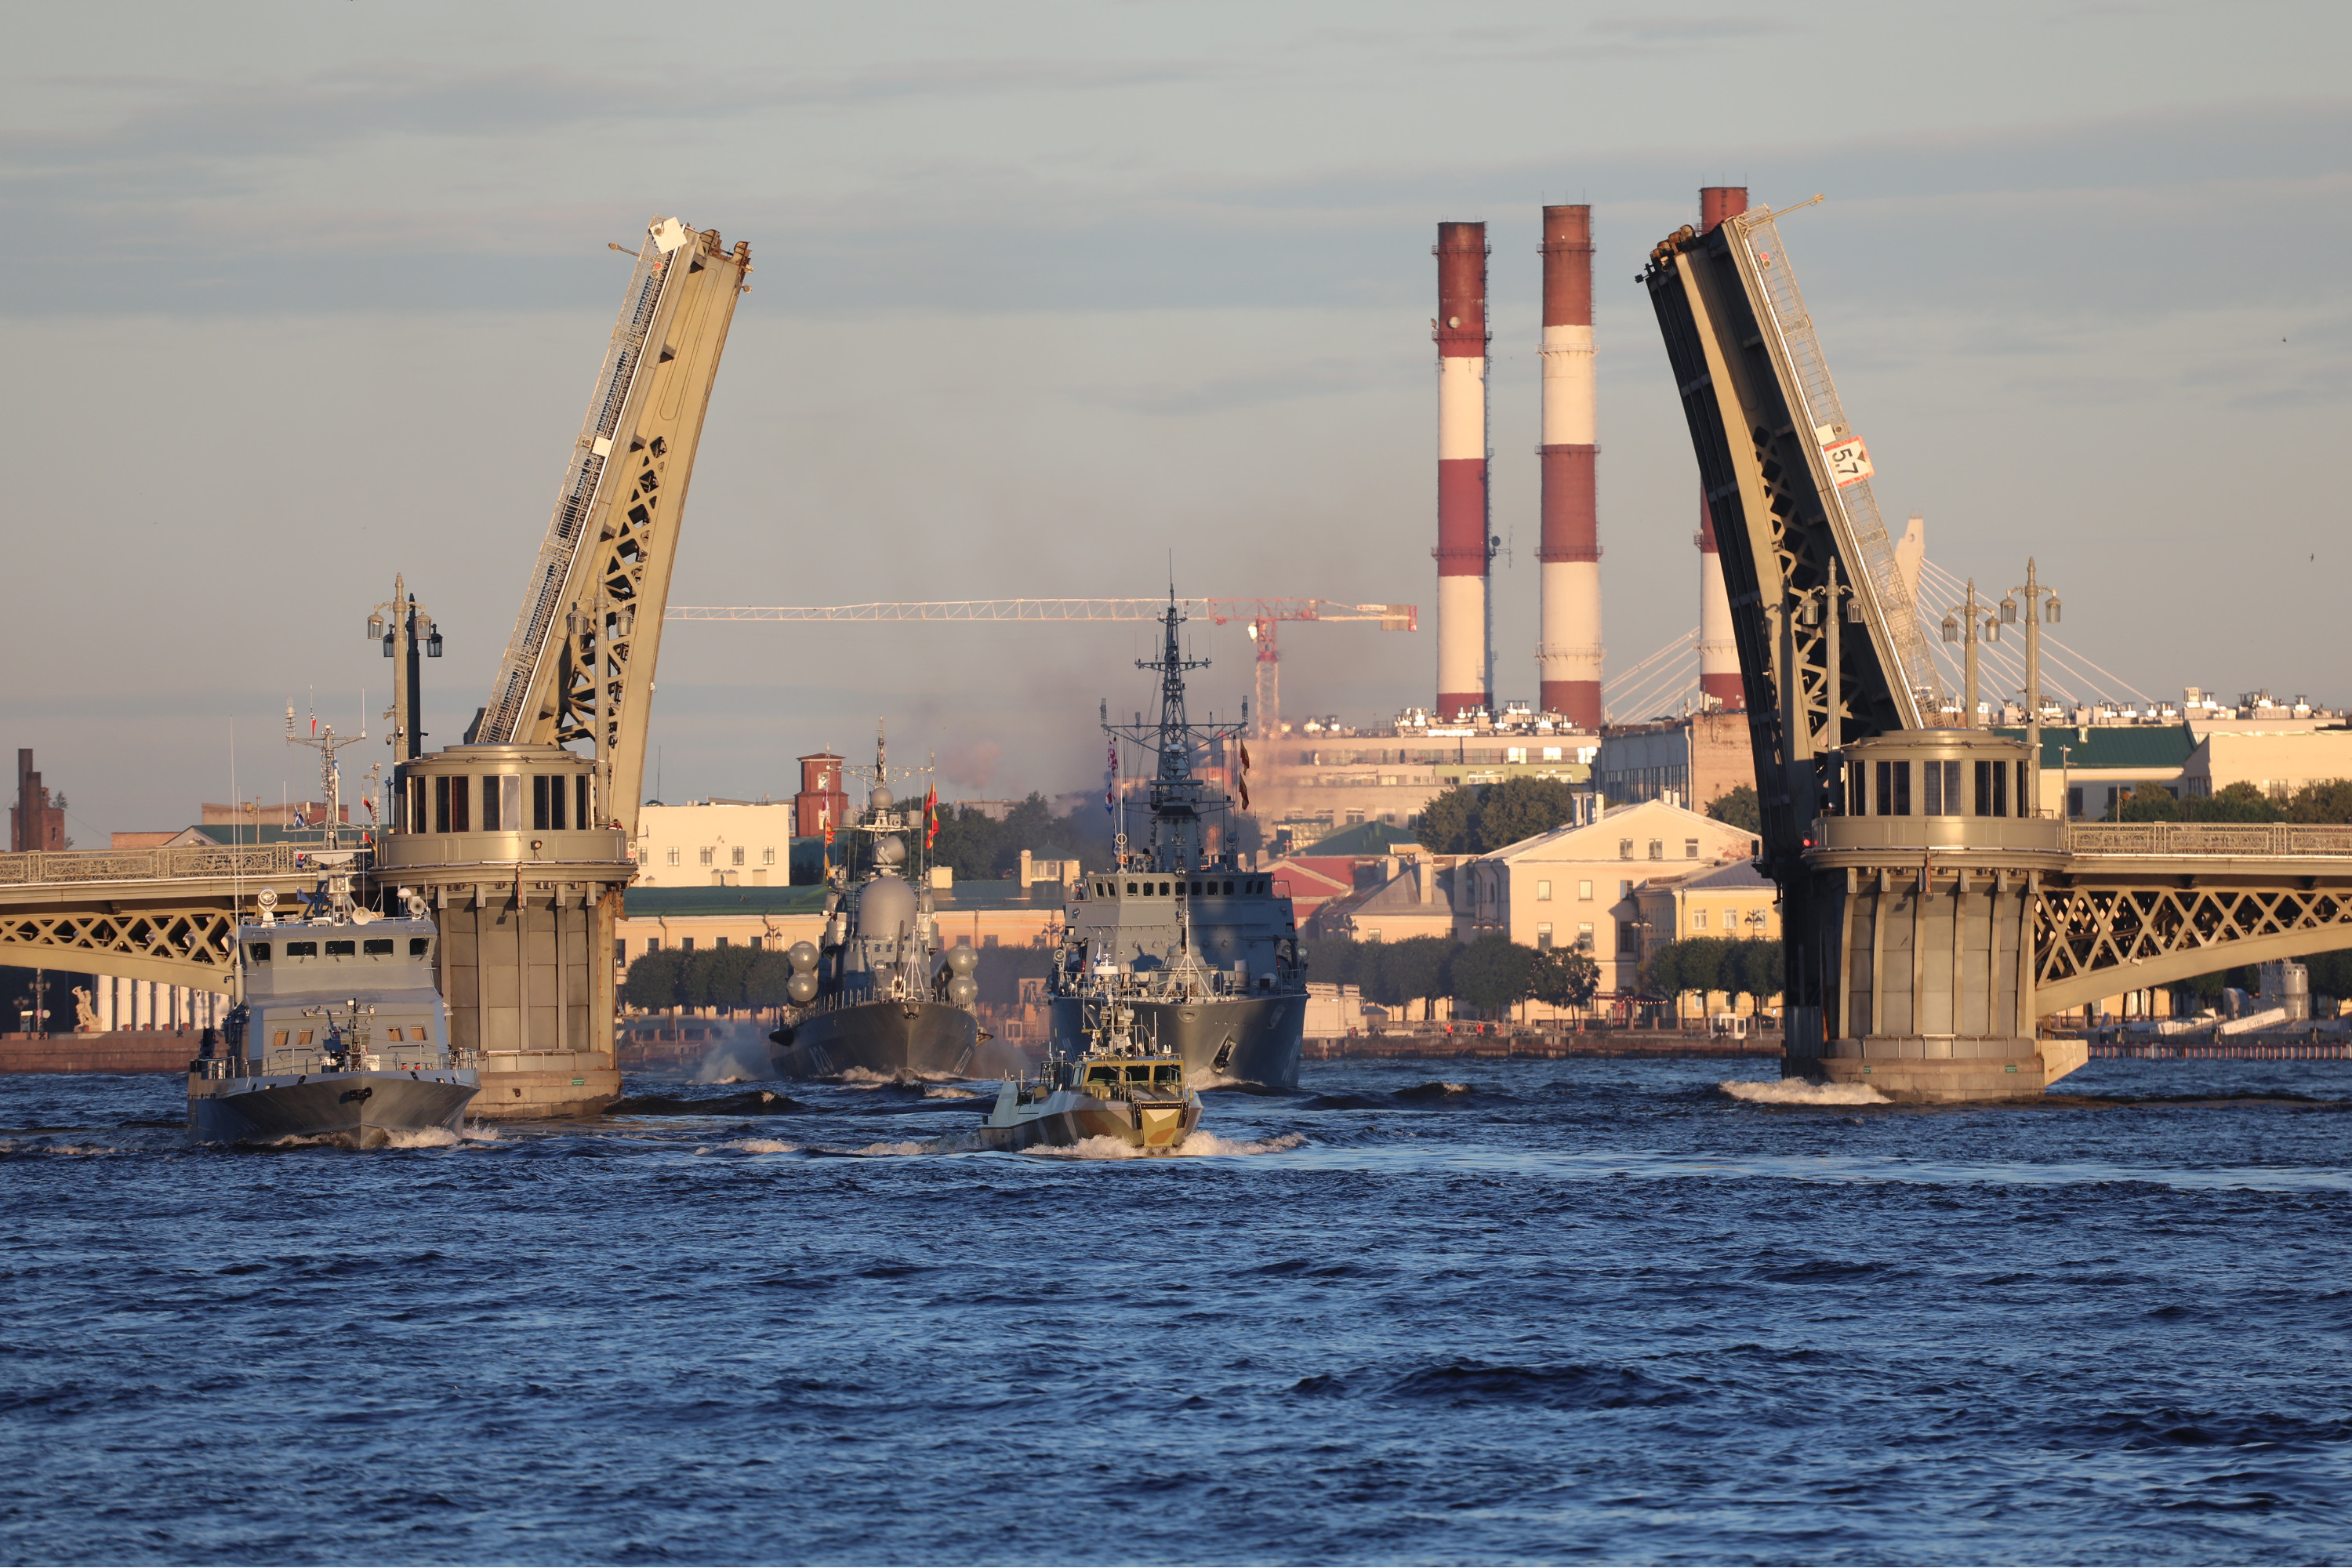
x,y
406,630
2035,590
1970,623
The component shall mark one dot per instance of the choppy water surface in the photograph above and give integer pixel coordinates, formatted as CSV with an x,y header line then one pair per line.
x,y
1592,1310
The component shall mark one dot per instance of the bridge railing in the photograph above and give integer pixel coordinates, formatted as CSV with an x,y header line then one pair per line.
x,y
220,862
2240,839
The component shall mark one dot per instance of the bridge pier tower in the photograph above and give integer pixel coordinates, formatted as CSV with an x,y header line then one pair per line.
x,y
1911,950
518,866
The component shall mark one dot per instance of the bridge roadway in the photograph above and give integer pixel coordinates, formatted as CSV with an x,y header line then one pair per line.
x,y
2131,906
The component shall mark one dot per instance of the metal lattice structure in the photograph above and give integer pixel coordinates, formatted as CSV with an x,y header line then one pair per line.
x,y
580,664
1830,650
179,942
2144,904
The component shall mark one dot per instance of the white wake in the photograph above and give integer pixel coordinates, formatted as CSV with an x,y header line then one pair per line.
x,y
1797,1091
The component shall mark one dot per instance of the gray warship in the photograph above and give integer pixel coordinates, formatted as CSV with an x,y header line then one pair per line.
x,y
1203,951
338,1033
880,997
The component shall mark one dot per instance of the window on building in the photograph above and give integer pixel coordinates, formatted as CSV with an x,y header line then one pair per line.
x,y
621,951
1354,818
767,856
1543,892
707,853
685,944
1625,849
1857,788
1657,848
2074,801
1690,848
539,801
583,813
441,803
1584,891
1373,934
2025,807
510,801
673,853
1629,940
1584,937
1698,920
1940,791
738,854
1543,939
653,944
461,805
1893,789
1625,889
720,943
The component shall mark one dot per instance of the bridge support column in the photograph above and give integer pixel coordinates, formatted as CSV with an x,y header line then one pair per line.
x,y
1925,891
525,897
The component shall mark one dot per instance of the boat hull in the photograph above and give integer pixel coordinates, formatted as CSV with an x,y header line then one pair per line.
x,y
1251,1039
354,1109
1153,1129
926,1040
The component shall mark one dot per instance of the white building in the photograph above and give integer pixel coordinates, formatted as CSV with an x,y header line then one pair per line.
x,y
715,843
1580,887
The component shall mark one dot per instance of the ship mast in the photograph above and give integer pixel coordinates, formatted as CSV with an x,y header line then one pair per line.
x,y
1180,799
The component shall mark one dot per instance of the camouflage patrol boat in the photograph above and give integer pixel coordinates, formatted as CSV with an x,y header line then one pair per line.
x,y
1120,1087
880,996
1204,951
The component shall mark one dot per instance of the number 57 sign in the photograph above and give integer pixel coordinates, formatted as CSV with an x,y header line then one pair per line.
x,y
1848,461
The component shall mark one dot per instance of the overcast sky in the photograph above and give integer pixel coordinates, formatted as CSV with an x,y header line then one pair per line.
x,y
306,294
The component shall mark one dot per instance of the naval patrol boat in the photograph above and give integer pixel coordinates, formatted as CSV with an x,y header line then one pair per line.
x,y
880,996
1203,950
338,1033
1120,1087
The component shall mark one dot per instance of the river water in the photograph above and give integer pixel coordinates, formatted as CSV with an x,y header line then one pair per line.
x,y
1425,1311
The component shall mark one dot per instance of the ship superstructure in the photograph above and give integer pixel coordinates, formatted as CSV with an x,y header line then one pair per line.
x,y
1202,950
879,996
339,1032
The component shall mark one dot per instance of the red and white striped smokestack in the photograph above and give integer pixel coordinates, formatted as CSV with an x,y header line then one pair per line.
x,y
1568,649
1462,612
1718,655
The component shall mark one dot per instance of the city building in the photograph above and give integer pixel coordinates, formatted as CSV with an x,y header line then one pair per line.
x,y
1412,897
717,843
1691,761
2275,760
1734,900
1579,887
38,820
695,918
823,804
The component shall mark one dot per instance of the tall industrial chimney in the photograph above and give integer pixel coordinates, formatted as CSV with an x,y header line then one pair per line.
x,y
1465,662
1568,649
1718,656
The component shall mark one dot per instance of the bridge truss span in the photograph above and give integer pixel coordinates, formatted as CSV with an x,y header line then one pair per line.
x,y
2149,904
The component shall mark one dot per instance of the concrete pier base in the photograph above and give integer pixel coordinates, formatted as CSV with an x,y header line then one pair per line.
x,y
521,1085
1920,1072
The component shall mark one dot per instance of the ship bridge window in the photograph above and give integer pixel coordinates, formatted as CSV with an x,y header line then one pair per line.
x,y
1138,1075
1168,1074
342,949
1102,1075
416,946
301,950
377,944
258,952
1163,890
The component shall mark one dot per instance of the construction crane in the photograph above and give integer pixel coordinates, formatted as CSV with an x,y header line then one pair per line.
x,y
579,665
1263,615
